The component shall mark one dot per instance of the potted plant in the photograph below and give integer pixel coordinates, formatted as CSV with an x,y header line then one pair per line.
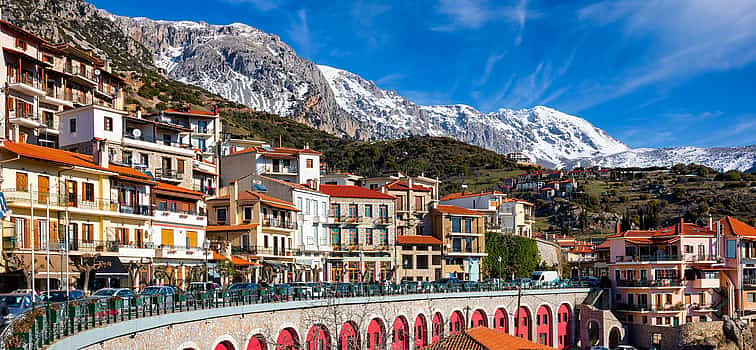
x,y
53,313
93,306
74,309
115,303
20,335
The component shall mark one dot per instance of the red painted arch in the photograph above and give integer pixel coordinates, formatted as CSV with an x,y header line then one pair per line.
x,y
349,338
479,319
400,334
224,345
523,323
564,326
318,338
501,320
456,323
544,324
421,331
376,335
257,342
288,339
438,328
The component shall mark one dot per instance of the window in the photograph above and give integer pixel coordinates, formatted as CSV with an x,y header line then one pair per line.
x,y
406,261
144,160
48,59
688,249
307,208
354,239
108,124
383,211
309,164
126,158
335,210
265,241
299,203
22,182
468,225
72,125
21,44
87,231
89,192
368,210
315,208
353,210
456,224
179,166
369,236
247,213
422,261
419,203
335,236
220,215
383,236
732,248
752,297
323,208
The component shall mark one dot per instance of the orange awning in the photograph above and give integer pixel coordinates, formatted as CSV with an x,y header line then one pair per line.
x,y
241,262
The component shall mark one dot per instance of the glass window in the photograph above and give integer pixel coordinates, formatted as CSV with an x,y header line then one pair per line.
x,y
353,210
732,249
108,124
369,210
220,214
468,225
369,236
72,125
456,225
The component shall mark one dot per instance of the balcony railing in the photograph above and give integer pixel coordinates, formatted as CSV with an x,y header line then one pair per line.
x,y
76,70
71,201
157,141
74,245
278,223
26,80
275,251
650,308
663,257
205,189
670,282
193,212
170,174
383,220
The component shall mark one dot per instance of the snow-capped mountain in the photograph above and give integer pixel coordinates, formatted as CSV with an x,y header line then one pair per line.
x,y
719,158
546,135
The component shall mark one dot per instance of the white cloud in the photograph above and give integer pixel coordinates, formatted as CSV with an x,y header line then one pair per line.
x,y
491,62
262,5
474,14
299,33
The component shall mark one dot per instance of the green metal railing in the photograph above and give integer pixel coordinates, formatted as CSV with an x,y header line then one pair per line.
x,y
46,323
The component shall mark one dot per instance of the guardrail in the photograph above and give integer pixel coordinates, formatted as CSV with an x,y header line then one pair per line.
x,y
46,323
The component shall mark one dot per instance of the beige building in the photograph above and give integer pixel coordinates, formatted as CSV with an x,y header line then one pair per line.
x,y
257,228
362,234
463,234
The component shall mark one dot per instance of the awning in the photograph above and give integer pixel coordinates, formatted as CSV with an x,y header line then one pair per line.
x,y
114,267
56,266
237,261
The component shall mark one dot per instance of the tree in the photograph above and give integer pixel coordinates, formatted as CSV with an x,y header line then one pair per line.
x,y
519,255
133,268
15,263
166,272
87,264
226,269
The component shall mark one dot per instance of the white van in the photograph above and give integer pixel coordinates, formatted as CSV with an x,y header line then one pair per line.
x,y
541,278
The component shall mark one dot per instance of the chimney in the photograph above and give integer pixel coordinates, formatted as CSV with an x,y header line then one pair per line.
x,y
139,114
617,228
100,153
711,223
719,239
190,108
216,110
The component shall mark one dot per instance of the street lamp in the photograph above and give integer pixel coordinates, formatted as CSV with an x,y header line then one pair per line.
x,y
206,245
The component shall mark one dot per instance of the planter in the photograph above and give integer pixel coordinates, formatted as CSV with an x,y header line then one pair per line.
x,y
53,315
73,311
157,299
115,304
180,297
93,308
138,301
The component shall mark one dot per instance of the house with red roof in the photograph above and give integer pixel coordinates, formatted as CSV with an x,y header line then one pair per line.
x,y
43,79
255,227
738,250
666,277
484,202
90,205
361,233
296,165
462,232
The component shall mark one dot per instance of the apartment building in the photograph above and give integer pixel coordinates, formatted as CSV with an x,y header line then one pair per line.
x,y
414,198
484,202
301,166
258,228
362,234
463,234
62,202
738,251
517,217
311,239
199,131
43,79
666,277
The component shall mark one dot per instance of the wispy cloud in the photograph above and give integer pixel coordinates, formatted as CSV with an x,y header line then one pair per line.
x,y
474,14
389,79
491,62
299,33
687,116
684,39
741,133
262,5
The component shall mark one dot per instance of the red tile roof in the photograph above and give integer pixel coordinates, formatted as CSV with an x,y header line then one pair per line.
x,y
173,188
276,151
736,227
681,228
398,185
482,338
604,245
273,202
418,239
458,195
455,210
353,192
518,200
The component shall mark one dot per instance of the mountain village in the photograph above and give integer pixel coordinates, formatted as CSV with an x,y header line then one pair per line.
x,y
96,196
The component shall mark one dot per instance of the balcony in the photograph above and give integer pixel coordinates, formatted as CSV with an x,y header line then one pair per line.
x,y
82,76
280,170
169,175
705,283
650,308
661,283
14,197
268,251
55,97
648,258
26,85
26,119
180,252
176,216
207,190
106,91
278,223
348,247
383,221
158,145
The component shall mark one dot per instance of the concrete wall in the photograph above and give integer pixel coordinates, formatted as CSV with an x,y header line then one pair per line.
x,y
550,253
204,329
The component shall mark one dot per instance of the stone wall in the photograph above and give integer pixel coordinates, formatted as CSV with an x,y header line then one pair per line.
x,y
204,329
550,254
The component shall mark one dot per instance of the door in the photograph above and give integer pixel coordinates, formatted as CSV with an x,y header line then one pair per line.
x,y
166,237
43,188
72,189
191,239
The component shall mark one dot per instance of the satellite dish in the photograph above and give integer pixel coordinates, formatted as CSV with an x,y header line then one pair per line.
x,y
136,132
96,72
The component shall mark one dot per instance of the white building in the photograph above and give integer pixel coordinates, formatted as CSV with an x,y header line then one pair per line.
x,y
485,203
517,217
301,166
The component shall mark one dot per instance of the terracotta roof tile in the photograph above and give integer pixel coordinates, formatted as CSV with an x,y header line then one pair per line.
x,y
173,188
221,228
458,195
353,192
399,185
736,227
482,338
418,239
455,210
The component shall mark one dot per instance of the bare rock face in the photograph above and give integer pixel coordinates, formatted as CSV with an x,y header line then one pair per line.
x,y
726,334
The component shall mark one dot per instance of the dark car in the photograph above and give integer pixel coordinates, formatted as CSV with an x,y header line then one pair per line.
x,y
16,303
450,284
471,286
107,293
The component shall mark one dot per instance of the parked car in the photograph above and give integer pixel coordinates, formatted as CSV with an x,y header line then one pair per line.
x,y
339,289
523,282
625,347
471,286
106,293
544,278
59,296
213,289
450,284
35,295
319,290
596,347
17,303
591,281
166,291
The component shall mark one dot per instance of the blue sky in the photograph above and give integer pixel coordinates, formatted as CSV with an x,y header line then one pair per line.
x,y
650,73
